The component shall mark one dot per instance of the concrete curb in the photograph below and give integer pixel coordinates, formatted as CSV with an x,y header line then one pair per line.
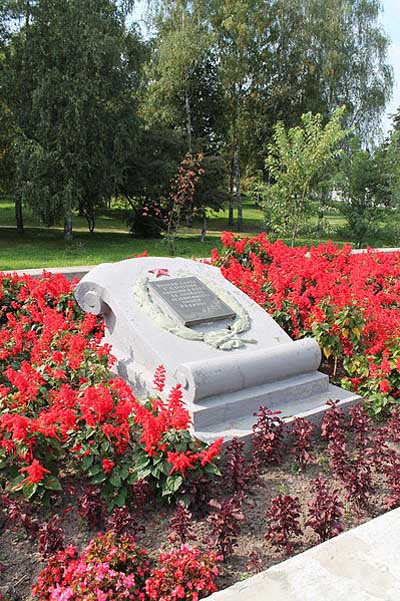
x,y
361,565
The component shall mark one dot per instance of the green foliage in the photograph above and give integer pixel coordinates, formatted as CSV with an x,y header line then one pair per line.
x,y
300,161
70,77
365,189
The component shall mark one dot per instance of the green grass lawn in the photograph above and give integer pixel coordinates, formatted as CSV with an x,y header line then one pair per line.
x,y
45,247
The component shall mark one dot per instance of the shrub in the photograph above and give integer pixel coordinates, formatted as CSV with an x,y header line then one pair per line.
x,y
283,522
325,511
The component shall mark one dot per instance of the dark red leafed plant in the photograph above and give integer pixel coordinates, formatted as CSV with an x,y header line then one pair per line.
x,y
357,480
302,431
334,422
51,537
20,516
393,426
181,529
123,521
255,562
360,424
141,494
237,474
91,507
338,456
392,473
325,511
225,523
283,522
268,433
333,428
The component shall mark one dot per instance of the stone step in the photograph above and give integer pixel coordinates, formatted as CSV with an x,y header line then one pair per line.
x,y
311,408
275,395
358,565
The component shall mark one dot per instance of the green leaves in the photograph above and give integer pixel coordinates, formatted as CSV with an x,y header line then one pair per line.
x,y
301,159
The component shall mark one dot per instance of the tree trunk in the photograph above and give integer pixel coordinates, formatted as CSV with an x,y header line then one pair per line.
x,y
188,121
68,225
237,185
231,198
91,221
18,214
204,228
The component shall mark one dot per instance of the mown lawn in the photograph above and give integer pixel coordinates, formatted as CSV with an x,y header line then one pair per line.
x,y
45,247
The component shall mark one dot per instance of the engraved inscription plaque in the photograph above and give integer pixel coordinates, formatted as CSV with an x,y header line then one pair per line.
x,y
191,301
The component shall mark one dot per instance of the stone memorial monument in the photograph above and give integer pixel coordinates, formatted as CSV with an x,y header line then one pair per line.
x,y
228,354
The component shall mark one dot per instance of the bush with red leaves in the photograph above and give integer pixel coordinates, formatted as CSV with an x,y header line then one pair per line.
x,y
325,511
357,480
392,473
91,508
268,435
19,515
283,522
123,521
51,537
181,525
225,523
361,425
302,431
237,474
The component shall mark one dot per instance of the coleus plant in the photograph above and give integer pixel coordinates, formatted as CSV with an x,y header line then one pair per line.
x,y
283,517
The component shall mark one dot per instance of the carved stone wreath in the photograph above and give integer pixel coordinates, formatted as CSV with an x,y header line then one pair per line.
x,y
225,339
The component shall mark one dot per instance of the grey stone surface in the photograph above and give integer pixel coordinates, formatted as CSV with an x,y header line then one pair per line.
x,y
70,273
359,565
221,387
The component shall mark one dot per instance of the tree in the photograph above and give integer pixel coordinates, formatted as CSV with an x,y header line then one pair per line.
x,y
365,189
316,57
70,79
300,160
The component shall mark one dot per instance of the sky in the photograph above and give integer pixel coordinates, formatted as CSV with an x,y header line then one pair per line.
x,y
390,20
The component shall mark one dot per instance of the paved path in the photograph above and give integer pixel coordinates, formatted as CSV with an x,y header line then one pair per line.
x,y
362,564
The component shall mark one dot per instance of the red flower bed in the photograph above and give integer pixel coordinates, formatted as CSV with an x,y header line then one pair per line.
x,y
63,413
349,302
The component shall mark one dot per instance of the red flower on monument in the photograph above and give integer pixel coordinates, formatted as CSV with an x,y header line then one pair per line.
x,y
35,472
159,272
